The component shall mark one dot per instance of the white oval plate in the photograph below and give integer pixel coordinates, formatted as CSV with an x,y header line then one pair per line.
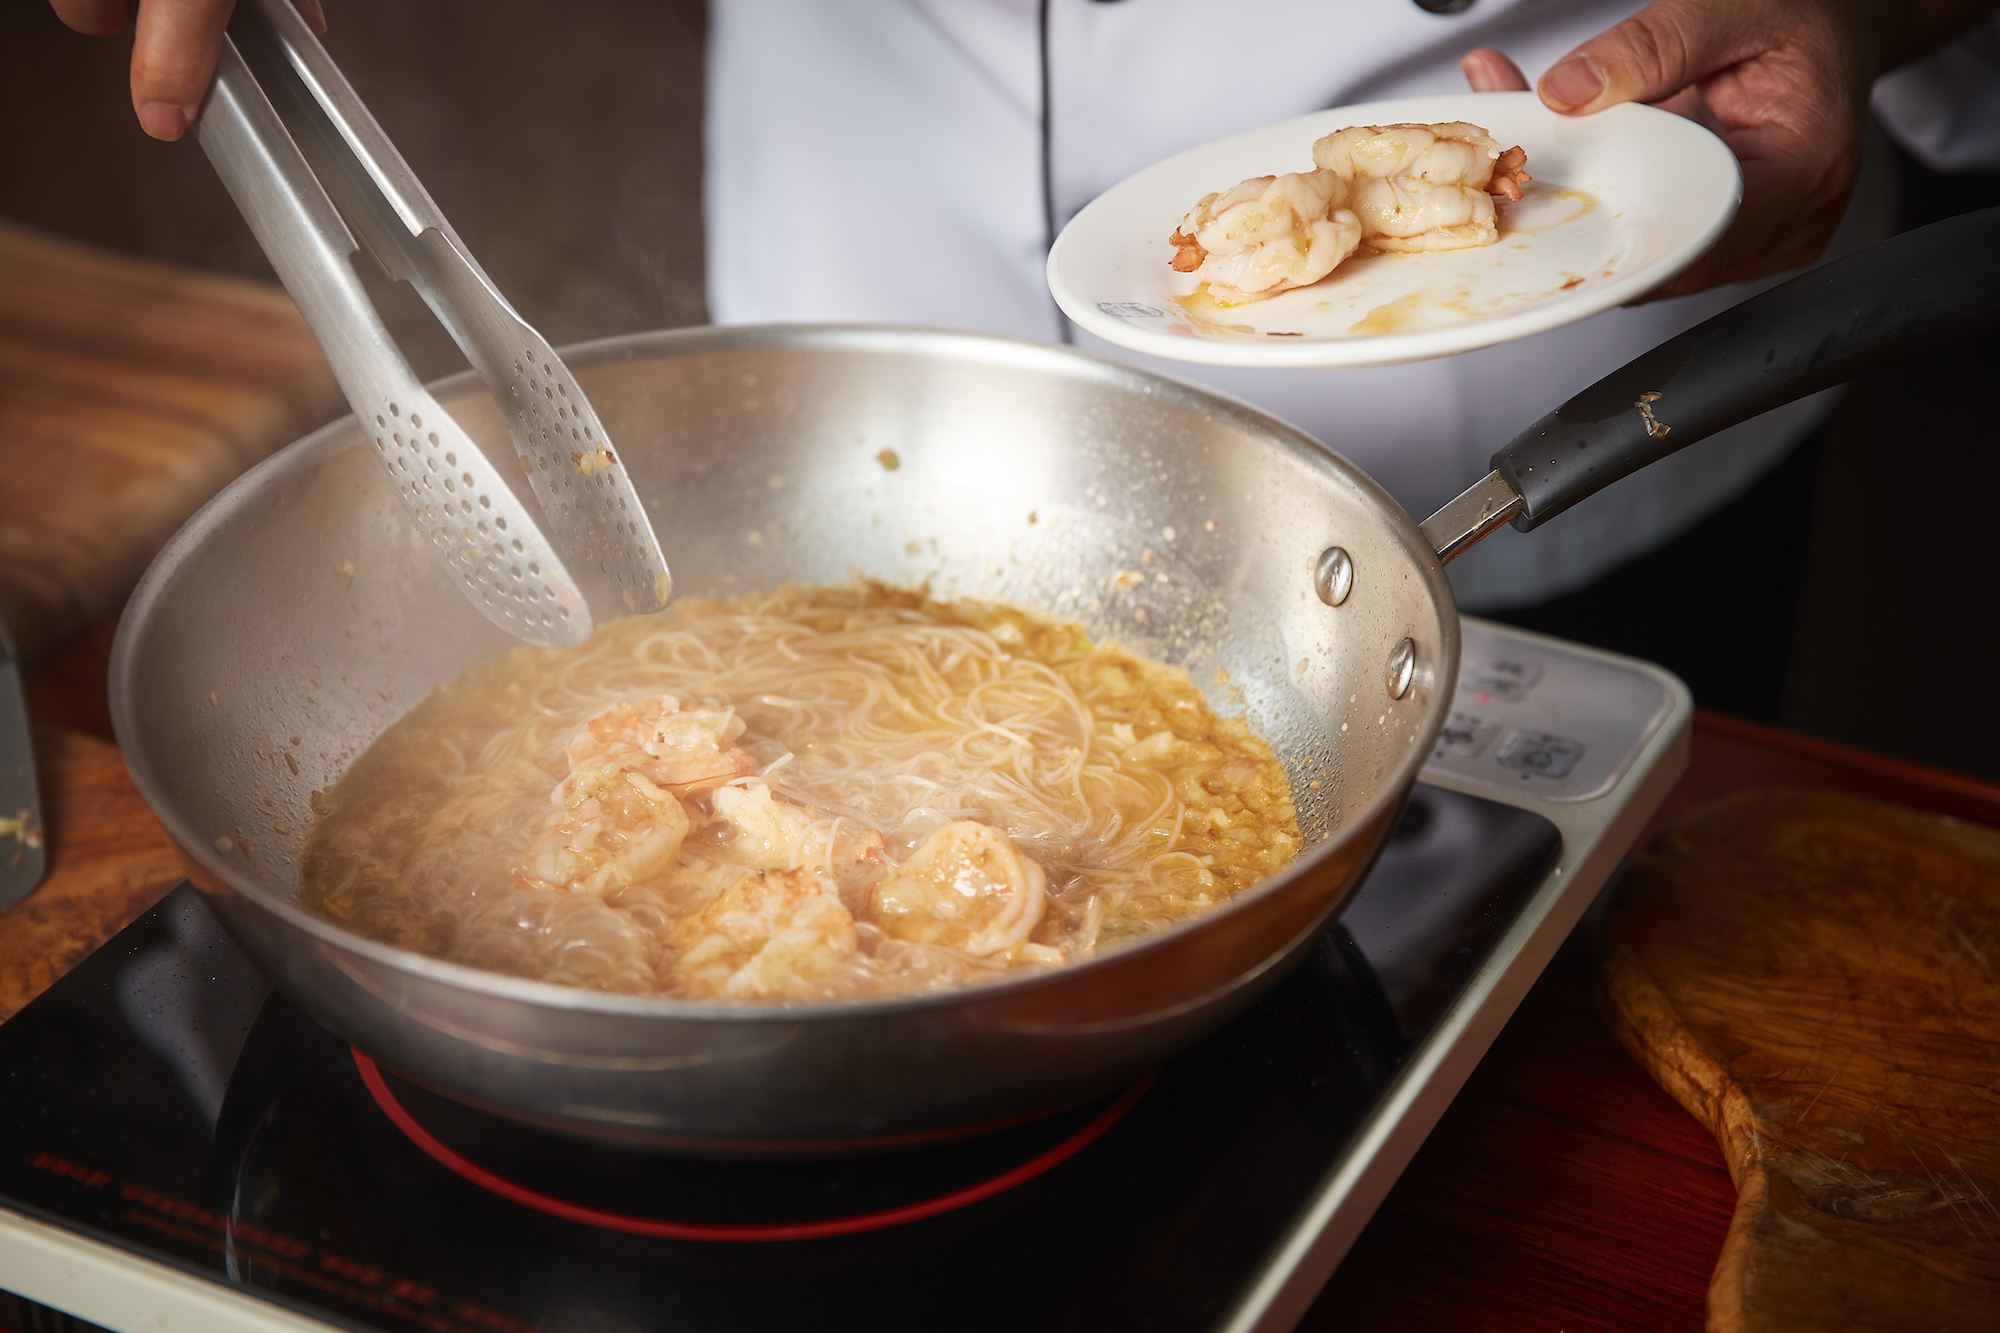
x,y
1621,201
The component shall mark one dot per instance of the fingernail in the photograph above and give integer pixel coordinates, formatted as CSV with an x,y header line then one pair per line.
x,y
1574,81
163,120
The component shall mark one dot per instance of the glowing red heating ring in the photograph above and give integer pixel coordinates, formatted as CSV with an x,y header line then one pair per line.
x,y
647,1226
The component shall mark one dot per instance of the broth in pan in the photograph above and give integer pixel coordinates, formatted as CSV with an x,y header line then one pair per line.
x,y
801,795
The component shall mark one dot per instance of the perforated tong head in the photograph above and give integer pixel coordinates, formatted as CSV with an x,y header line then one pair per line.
x,y
318,180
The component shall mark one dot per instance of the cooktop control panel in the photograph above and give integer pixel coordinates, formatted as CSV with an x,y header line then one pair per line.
x,y
1543,719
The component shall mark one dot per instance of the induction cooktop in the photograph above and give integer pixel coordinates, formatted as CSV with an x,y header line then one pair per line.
x,y
186,1148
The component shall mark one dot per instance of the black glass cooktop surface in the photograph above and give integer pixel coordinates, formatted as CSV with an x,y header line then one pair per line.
x,y
161,1098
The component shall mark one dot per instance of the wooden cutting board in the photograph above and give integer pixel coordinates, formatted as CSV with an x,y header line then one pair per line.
x,y
130,392
109,860
1813,976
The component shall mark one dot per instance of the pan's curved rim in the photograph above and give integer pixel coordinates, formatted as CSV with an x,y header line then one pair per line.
x,y
162,573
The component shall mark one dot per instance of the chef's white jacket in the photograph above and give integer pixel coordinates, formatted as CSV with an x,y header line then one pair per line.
x,y
882,160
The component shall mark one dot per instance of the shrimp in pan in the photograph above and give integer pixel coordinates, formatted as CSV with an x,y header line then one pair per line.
x,y
687,749
773,834
968,887
618,817
773,934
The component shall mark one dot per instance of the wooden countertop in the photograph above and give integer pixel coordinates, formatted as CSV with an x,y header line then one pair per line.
x,y
130,392
1562,1190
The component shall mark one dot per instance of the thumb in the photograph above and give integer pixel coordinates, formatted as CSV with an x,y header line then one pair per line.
x,y
173,61
1647,58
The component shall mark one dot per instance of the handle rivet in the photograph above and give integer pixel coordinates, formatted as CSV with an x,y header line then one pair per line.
x,y
1402,668
1333,576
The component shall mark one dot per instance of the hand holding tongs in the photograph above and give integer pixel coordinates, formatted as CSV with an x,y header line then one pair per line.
x,y
305,162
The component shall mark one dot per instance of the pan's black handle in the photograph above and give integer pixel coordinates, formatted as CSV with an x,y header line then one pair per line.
x,y
1924,289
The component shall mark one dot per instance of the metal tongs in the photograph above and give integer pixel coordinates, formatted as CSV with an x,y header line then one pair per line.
x,y
312,171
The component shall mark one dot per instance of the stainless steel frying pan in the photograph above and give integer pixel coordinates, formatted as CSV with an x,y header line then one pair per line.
x,y
296,617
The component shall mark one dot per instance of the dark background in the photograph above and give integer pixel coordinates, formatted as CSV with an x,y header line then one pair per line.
x,y
564,144
1848,595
